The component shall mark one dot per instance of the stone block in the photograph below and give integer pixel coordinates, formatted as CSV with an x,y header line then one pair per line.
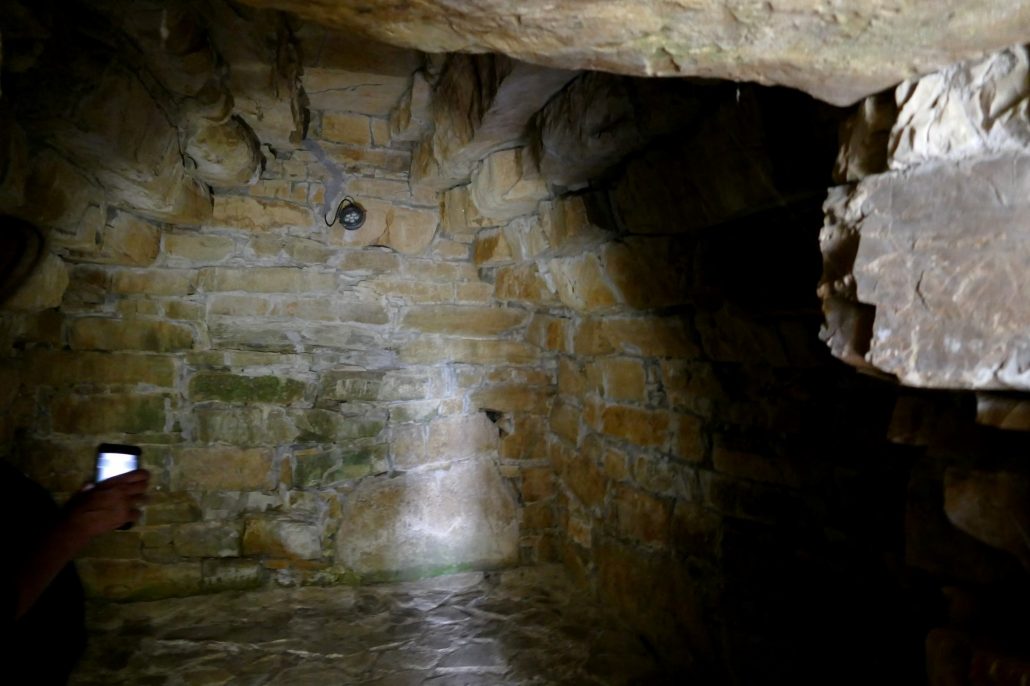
x,y
222,468
243,425
350,460
525,282
282,538
525,439
352,129
413,523
582,284
649,336
642,517
464,320
154,282
688,437
325,426
169,508
267,280
585,480
363,347
234,388
197,248
207,539
127,240
349,386
54,368
647,428
406,230
565,421
96,333
44,289
221,153
513,398
231,575
507,185
411,118
461,436
124,580
491,248
547,332
623,378
993,507
433,349
97,415
566,229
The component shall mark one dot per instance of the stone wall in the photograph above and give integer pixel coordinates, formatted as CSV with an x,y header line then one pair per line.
x,y
316,405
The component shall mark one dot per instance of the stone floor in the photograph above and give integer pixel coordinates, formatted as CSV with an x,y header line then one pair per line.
x,y
523,626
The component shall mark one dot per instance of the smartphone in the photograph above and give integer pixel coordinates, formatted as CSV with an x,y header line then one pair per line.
x,y
113,460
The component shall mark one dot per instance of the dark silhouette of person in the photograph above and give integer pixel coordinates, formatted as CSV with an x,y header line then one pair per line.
x,y
44,627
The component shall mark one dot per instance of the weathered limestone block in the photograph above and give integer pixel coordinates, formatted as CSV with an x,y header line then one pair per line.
x,y
139,580
263,72
207,539
254,214
969,109
60,197
352,129
838,56
941,253
346,72
90,415
994,507
581,283
507,185
865,138
97,333
221,154
406,230
233,388
222,468
424,522
411,118
468,321
282,538
129,240
482,103
43,289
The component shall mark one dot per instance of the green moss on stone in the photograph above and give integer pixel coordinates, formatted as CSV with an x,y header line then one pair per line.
x,y
233,388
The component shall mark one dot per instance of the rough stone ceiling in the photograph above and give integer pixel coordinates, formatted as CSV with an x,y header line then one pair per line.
x,y
836,50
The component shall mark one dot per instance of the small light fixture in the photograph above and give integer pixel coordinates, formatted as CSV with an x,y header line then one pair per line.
x,y
350,213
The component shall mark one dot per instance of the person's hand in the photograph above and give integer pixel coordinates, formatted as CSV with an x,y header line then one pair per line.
x,y
105,506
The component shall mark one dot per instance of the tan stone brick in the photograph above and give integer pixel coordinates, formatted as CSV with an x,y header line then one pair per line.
x,y
623,378
155,282
588,338
391,190
369,260
491,248
651,336
464,320
406,230
381,132
435,349
222,468
642,517
408,446
321,309
243,426
593,406
60,368
456,437
537,483
138,580
353,129
513,398
571,379
267,280
547,332
523,282
97,333
431,270
306,251
239,305
282,538
507,184
365,160
567,229
198,247
43,289
129,240
256,214
235,388
616,466
461,220
476,292
585,480
689,440
207,539
96,414
185,310
137,307
537,515
581,283
525,440
416,292
565,421
648,428
446,249
282,189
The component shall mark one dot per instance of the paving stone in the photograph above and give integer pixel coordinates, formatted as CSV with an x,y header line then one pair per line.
x,y
519,626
